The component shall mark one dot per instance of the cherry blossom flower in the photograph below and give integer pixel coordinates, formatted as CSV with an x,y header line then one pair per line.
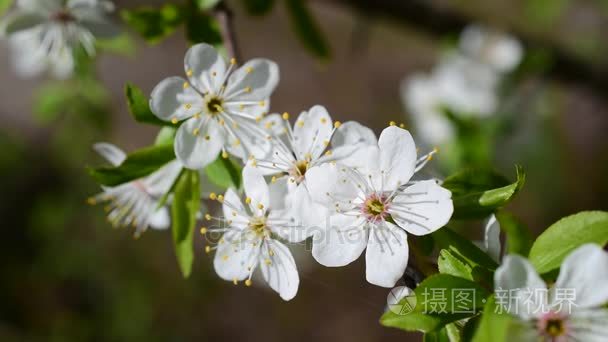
x,y
218,104
570,310
375,204
43,34
252,233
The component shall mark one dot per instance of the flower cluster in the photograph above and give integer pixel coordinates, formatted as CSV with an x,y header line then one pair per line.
x,y
336,182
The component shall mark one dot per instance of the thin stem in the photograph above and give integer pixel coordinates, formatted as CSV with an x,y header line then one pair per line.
x,y
223,15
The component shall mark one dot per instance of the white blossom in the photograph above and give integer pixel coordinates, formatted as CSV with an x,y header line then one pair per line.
x,y
374,203
218,104
570,310
43,34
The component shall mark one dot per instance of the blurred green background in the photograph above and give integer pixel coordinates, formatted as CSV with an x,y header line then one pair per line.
x,y
66,275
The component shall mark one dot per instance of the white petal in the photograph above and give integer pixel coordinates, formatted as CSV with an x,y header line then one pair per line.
x,y
196,151
255,188
273,124
526,289
328,184
170,100
21,21
365,159
386,256
307,212
160,219
235,257
422,208
206,68
160,181
312,132
234,210
397,156
251,141
585,271
342,243
491,242
43,6
62,64
353,133
589,325
281,273
111,153
254,81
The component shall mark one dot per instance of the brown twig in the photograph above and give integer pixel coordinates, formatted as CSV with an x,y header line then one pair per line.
x,y
223,15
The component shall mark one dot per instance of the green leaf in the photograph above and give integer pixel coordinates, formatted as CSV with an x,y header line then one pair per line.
x,y
121,45
307,29
185,206
138,164
154,24
5,5
477,194
436,336
165,136
434,310
494,325
258,7
463,248
206,4
224,173
202,28
139,106
519,238
450,263
567,234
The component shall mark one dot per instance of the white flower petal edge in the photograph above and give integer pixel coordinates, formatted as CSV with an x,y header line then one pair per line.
x,y
249,238
221,105
386,256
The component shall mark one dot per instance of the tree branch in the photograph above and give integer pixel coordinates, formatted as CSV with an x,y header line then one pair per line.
x,y
223,15
421,15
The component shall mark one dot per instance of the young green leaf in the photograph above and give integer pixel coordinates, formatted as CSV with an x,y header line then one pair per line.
x,y
138,164
519,238
439,301
205,4
139,106
258,7
5,5
463,248
436,336
224,173
494,324
562,237
154,24
121,45
307,29
165,136
450,263
185,206
202,28
476,194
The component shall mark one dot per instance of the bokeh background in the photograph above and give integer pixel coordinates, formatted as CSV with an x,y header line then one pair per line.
x,y
66,275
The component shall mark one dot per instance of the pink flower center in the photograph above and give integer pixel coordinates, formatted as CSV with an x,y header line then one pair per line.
x,y
553,325
375,208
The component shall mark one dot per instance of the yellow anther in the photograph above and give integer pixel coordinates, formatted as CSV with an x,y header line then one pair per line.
x,y
241,107
300,123
269,124
326,143
220,198
274,179
225,257
392,123
262,103
207,249
197,115
213,196
207,137
307,156
271,252
195,131
267,262
214,74
234,281
186,85
203,230
285,116
248,89
91,201
224,154
189,72
323,120
174,121
258,119
328,153
248,70
337,124
188,106
207,217
233,61
248,200
248,282
237,142
260,206
221,122
402,125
